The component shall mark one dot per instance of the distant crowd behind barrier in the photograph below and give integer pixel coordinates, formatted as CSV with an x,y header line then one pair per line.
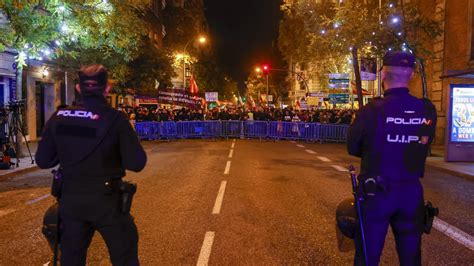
x,y
148,114
242,129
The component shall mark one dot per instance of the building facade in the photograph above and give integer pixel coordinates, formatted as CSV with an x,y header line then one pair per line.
x,y
453,55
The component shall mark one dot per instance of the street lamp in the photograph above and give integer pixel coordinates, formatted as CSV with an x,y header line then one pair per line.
x,y
201,40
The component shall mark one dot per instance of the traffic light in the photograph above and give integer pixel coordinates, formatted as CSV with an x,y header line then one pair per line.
x,y
266,69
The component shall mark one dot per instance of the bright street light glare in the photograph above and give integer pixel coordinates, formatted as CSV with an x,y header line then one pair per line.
x,y
202,40
258,70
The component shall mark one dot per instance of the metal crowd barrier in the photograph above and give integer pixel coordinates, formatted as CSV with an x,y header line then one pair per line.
x,y
243,129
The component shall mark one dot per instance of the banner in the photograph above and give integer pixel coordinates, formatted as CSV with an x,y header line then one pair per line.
x,y
212,96
177,96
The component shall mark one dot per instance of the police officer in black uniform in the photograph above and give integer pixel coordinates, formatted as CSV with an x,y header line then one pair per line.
x,y
94,145
392,135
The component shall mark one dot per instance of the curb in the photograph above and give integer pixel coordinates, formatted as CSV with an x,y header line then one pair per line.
x,y
467,176
18,172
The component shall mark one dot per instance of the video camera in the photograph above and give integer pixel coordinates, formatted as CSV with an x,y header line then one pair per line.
x,y
11,106
15,105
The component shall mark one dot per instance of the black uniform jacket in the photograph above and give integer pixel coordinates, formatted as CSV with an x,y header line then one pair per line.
x,y
392,135
91,141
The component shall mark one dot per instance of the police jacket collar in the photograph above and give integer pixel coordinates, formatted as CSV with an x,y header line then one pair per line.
x,y
94,101
396,91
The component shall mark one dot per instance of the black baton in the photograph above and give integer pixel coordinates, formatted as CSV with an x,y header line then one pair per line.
x,y
357,200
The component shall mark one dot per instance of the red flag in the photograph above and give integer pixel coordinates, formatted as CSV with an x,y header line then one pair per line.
x,y
193,87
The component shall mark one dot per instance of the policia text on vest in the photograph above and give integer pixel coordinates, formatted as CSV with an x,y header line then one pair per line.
x,y
94,145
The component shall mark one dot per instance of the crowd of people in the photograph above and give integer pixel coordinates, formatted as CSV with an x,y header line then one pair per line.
x,y
332,116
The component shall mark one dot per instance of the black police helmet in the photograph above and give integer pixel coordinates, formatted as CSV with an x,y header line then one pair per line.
x,y
346,224
50,221
346,217
399,59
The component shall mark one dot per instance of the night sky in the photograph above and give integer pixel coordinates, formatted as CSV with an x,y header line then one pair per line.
x,y
243,33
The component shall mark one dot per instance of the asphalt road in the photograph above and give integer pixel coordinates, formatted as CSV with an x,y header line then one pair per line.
x,y
276,206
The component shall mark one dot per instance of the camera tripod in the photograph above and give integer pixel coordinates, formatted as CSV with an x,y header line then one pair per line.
x,y
15,127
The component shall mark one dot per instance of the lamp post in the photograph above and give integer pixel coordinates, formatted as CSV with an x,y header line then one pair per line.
x,y
201,40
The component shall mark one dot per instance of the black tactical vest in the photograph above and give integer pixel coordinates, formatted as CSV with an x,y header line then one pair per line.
x,y
79,130
404,128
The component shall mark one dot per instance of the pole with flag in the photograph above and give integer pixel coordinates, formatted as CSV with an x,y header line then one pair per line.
x,y
193,87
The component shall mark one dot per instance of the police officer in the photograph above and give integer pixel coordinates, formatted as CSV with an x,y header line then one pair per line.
x,y
94,145
392,135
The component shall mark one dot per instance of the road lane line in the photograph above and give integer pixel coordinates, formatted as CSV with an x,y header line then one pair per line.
x,y
340,168
324,159
455,233
227,168
38,199
292,141
220,197
206,249
231,153
233,141
300,146
5,212
310,151
233,145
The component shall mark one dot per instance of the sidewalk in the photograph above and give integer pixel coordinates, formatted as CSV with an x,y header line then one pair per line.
x,y
24,166
436,161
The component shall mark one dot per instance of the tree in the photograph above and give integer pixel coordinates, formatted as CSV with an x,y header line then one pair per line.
x,y
183,24
256,85
74,33
331,32
50,29
150,70
210,77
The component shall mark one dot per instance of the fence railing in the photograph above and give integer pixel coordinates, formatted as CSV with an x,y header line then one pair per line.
x,y
242,129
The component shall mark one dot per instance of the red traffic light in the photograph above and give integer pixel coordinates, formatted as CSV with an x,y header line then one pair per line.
x,y
266,69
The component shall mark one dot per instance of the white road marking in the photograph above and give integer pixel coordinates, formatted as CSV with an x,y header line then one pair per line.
x,y
220,197
292,141
340,168
38,199
227,168
5,212
233,141
231,153
324,159
455,233
206,249
310,151
46,264
232,146
300,146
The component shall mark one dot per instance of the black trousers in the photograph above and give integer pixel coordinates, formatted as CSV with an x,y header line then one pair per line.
x,y
82,215
401,207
